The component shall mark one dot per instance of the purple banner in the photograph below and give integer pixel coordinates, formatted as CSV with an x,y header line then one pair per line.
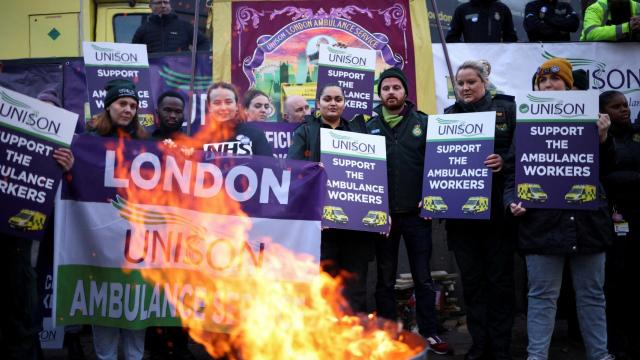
x,y
356,181
275,43
557,164
279,135
28,183
457,184
241,179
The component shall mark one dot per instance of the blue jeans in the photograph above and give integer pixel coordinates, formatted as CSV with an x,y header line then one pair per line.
x,y
545,279
416,233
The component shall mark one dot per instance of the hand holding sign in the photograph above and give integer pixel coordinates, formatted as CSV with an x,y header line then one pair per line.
x,y
64,157
517,209
604,122
494,162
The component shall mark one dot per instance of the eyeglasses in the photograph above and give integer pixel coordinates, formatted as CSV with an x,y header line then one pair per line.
x,y
160,2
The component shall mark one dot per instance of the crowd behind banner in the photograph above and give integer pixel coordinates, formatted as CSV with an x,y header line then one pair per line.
x,y
591,222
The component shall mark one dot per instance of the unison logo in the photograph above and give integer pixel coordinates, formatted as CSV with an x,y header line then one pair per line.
x,y
343,142
458,127
108,54
551,106
343,57
16,110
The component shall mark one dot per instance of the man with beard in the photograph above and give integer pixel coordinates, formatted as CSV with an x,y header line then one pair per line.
x,y
170,111
482,21
612,20
404,129
550,20
169,342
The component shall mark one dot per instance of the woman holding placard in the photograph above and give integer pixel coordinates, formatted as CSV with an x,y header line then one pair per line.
x,y
549,236
340,250
484,248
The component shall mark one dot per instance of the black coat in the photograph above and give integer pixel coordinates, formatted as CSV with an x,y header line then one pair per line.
x,y
482,21
168,34
546,20
406,144
561,232
505,108
305,144
623,182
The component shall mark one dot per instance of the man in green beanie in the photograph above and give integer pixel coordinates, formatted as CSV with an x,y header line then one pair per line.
x,y
405,129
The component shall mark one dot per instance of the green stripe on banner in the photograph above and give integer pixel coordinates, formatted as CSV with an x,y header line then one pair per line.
x,y
459,139
354,155
122,298
344,67
117,66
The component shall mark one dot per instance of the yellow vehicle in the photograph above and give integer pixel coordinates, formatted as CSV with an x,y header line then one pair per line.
x,y
580,194
375,218
28,220
475,205
335,214
531,192
434,204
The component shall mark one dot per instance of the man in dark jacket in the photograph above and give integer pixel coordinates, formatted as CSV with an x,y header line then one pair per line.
x,y
550,20
165,32
404,129
478,21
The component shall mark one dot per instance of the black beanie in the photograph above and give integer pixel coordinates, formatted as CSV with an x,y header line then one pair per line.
x,y
118,88
393,72
580,79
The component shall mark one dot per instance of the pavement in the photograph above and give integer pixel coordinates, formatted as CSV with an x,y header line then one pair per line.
x,y
456,334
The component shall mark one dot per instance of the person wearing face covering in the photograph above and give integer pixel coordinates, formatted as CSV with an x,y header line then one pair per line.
x,y
612,20
482,21
484,249
550,20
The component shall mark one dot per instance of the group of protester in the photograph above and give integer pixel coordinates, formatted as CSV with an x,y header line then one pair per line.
x,y
491,21
598,249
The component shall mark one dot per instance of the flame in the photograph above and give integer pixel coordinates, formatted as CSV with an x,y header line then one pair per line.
x,y
278,306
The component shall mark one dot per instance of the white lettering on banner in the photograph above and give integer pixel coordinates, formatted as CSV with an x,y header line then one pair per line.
x,y
279,139
22,142
346,74
150,165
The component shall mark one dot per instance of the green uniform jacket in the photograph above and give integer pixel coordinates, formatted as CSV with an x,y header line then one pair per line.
x,y
595,26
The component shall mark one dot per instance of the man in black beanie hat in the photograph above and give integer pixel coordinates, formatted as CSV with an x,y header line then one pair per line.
x,y
404,128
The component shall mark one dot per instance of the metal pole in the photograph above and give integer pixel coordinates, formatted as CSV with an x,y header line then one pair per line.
x,y
194,51
434,4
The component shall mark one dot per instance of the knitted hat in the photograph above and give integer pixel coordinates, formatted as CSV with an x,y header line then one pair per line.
x,y
50,95
118,88
558,66
393,72
580,79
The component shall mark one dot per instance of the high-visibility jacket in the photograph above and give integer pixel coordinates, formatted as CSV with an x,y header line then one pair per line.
x,y
595,26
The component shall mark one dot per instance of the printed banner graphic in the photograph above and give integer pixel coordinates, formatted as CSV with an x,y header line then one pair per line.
x,y
356,167
116,230
557,149
279,135
456,183
108,61
30,130
275,44
607,66
353,69
168,72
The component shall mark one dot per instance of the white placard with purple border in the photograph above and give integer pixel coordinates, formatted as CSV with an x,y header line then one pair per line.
x,y
108,61
354,70
456,183
356,166
557,149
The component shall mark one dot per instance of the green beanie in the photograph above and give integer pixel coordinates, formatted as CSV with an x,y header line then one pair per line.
x,y
393,72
